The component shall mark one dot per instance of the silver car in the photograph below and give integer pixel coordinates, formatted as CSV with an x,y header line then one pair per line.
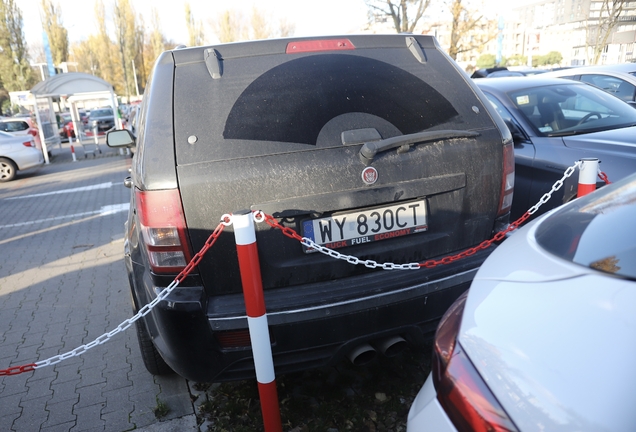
x,y
17,153
619,79
544,338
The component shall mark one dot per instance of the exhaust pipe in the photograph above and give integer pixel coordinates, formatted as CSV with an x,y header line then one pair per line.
x,y
362,354
391,346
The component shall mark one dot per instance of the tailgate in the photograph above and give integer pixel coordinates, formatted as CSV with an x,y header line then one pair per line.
x,y
282,133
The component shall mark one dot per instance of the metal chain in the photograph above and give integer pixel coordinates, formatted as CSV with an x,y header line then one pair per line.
x,y
603,176
259,216
430,263
127,323
559,183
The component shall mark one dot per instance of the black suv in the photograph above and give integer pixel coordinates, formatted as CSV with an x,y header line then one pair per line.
x,y
378,146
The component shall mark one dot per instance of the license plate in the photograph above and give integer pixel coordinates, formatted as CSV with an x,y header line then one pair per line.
x,y
367,226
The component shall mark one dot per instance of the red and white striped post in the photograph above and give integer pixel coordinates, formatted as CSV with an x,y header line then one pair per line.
x,y
70,140
245,236
587,176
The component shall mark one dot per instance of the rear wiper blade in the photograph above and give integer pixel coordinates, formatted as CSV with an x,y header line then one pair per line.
x,y
404,142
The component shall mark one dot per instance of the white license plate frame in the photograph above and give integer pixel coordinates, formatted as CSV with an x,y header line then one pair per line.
x,y
367,225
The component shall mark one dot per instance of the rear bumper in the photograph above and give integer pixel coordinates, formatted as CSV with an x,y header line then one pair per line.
x,y
426,413
305,333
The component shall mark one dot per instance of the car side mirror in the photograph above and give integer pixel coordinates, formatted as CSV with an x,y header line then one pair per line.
x,y
517,134
120,138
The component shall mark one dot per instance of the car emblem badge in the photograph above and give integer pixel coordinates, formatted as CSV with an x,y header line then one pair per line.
x,y
369,175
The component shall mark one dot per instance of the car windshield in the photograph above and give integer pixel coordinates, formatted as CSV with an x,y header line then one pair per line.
x,y
597,230
572,109
101,113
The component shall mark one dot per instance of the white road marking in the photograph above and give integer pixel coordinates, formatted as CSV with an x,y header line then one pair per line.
x,y
64,191
104,211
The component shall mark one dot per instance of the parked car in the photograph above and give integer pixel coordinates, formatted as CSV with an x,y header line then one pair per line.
x,y
619,79
66,126
556,122
101,118
17,153
21,126
543,340
502,71
337,139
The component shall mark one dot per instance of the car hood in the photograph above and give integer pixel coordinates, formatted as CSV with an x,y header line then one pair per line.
x,y
619,141
554,341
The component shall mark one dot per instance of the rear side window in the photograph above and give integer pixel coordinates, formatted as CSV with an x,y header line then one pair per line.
x,y
14,126
616,86
290,102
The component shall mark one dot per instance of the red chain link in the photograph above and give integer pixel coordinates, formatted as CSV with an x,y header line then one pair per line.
x,y
197,258
430,263
603,177
16,370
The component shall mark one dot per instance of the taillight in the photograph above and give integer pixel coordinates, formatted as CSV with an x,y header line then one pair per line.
x,y
466,399
163,227
33,132
508,180
28,143
319,45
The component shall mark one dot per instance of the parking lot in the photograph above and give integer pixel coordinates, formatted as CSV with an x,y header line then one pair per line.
x,y
63,284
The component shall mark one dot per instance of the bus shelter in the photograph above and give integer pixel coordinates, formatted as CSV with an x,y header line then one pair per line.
x,y
70,89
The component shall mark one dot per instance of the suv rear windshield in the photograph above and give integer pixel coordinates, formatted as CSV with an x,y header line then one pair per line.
x,y
596,231
296,102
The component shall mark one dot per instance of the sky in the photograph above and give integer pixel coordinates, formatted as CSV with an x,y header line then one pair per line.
x,y
311,18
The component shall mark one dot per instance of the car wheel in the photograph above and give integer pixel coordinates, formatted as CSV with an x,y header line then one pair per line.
x,y
152,359
7,170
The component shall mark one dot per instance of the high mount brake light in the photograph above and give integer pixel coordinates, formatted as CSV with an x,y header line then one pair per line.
x,y
461,391
319,45
163,227
508,180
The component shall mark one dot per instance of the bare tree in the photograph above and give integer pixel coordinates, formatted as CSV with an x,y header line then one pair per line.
x,y
125,29
405,14
228,26
57,34
286,28
599,32
469,30
103,51
155,45
260,25
195,30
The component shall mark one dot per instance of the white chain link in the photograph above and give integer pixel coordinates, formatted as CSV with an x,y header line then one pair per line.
x,y
357,261
555,187
259,217
107,336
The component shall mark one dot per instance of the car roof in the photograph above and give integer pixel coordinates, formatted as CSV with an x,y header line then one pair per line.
x,y
624,68
506,84
13,119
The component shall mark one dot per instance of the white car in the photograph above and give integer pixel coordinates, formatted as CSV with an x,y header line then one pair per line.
x,y
17,153
21,126
619,79
545,338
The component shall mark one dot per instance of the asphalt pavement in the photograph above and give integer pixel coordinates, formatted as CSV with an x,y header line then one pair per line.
x,y
62,285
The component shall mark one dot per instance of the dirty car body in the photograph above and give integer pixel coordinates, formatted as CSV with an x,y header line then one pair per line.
x,y
379,147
